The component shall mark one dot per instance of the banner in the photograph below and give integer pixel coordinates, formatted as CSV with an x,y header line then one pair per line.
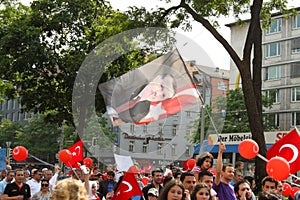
x,y
123,162
151,92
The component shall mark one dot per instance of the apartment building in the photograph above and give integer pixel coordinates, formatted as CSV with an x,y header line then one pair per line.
x,y
281,68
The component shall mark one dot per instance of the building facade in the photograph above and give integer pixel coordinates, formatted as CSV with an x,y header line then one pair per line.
x,y
280,68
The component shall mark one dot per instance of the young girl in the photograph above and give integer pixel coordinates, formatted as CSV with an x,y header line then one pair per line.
x,y
204,162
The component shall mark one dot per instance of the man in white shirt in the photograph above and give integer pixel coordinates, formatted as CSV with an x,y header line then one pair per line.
x,y
35,182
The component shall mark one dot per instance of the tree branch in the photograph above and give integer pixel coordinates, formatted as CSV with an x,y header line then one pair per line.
x,y
236,59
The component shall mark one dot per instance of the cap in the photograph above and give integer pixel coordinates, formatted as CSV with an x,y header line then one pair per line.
x,y
44,169
153,191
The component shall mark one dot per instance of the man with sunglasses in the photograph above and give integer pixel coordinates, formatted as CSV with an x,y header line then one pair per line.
x,y
35,182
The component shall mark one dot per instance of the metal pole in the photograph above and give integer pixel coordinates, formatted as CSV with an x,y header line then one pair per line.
x,y
202,128
8,152
61,142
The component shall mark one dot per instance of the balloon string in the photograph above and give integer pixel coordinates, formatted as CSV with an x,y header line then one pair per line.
x,y
263,158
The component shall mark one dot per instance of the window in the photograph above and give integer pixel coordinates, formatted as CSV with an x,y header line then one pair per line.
x,y
222,86
295,44
159,148
145,128
274,95
271,120
295,94
295,118
273,73
131,146
132,128
160,128
145,147
296,21
295,70
173,149
187,151
273,49
174,129
275,26
188,113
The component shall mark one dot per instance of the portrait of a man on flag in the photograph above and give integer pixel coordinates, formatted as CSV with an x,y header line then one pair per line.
x,y
151,92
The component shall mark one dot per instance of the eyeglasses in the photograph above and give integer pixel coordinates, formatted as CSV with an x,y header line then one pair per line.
x,y
45,185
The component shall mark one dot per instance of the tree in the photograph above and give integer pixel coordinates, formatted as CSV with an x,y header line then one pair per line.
x,y
248,65
42,48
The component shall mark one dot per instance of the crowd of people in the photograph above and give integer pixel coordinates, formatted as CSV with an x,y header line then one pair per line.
x,y
227,182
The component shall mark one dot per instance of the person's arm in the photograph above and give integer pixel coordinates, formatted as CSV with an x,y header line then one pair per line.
x,y
19,197
219,163
53,179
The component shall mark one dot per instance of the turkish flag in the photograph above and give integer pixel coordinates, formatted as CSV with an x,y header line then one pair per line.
x,y
128,188
288,148
77,153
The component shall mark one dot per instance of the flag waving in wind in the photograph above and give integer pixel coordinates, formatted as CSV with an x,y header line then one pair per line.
x,y
287,147
151,92
128,188
77,153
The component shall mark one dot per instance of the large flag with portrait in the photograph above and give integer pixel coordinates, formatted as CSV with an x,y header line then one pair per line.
x,y
151,92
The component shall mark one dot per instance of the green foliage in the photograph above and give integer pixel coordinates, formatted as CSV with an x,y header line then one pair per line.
x,y
42,48
9,131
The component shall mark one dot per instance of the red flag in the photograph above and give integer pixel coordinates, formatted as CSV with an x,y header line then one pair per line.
x,y
77,153
288,148
128,188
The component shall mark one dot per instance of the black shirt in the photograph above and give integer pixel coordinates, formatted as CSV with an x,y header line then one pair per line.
x,y
12,190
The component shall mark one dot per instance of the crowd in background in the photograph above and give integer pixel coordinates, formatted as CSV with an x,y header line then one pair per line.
x,y
225,182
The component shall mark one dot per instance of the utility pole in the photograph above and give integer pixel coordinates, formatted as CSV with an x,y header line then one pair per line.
x,y
202,115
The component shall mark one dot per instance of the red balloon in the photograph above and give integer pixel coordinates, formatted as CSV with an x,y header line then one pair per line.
x,y
65,156
286,189
293,191
278,168
19,153
191,163
248,148
88,162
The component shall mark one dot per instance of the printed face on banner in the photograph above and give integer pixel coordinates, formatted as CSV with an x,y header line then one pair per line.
x,y
151,92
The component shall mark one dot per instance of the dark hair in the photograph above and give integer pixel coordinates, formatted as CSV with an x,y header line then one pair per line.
x,y
204,173
250,179
111,173
156,170
225,166
177,173
202,157
268,196
164,194
269,179
237,185
167,179
198,187
184,174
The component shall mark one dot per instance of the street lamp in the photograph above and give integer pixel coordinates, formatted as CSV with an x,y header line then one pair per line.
x,y
8,152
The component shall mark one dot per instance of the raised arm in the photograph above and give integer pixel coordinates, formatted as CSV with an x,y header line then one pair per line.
x,y
219,163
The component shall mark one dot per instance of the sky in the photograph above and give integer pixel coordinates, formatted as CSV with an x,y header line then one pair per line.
x,y
209,51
